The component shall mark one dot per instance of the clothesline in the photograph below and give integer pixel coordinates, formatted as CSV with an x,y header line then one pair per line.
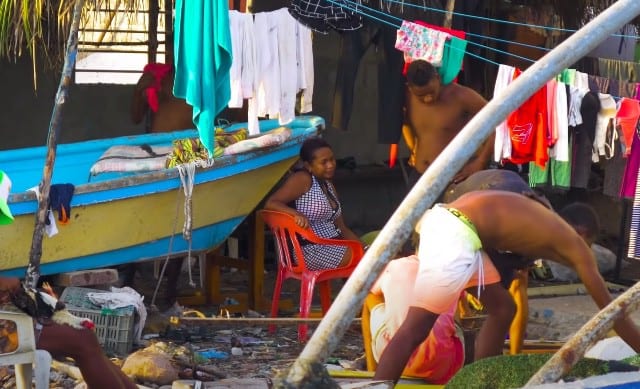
x,y
508,41
355,8
425,8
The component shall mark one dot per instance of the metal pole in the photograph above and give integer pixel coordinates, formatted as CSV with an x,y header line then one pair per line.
x,y
35,253
349,301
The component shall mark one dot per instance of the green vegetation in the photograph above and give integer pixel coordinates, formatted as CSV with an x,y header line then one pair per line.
x,y
513,371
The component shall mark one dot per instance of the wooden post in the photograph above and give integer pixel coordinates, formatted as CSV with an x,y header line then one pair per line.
x,y
152,43
256,256
448,17
35,253
168,32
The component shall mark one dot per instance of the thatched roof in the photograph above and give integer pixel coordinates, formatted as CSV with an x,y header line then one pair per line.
x,y
36,27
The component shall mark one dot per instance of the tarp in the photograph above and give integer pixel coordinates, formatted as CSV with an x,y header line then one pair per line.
x,y
202,56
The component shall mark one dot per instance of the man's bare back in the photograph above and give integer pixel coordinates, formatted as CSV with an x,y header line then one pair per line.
x,y
436,113
512,222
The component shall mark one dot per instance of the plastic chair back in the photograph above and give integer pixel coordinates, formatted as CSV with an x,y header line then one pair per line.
x,y
291,263
26,354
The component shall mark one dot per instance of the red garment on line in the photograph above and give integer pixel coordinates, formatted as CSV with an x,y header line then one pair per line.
x,y
159,72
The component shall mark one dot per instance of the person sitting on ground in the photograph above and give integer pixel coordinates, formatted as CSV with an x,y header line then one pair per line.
x,y
310,197
589,230
452,258
584,219
439,356
81,345
435,114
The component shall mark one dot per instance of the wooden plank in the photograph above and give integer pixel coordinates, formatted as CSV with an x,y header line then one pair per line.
x,y
567,290
256,257
252,320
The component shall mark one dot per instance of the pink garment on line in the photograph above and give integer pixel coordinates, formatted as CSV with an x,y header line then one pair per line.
x,y
630,177
457,33
419,42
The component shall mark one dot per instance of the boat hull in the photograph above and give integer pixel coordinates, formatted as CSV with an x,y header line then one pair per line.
x,y
136,217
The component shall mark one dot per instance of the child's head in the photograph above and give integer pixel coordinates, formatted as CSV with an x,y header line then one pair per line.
x,y
584,219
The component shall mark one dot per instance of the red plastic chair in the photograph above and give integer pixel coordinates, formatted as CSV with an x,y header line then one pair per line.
x,y
286,233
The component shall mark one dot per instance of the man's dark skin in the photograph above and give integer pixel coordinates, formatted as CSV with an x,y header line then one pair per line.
x,y
436,113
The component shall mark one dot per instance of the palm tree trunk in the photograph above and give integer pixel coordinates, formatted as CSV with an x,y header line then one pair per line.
x,y
33,270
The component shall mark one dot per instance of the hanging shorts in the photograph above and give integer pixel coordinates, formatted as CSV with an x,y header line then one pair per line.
x,y
451,260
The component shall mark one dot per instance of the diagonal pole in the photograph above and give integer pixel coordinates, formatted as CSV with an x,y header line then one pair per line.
x,y
592,331
35,254
349,301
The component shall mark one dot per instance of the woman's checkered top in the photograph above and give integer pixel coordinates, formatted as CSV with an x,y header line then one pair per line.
x,y
317,207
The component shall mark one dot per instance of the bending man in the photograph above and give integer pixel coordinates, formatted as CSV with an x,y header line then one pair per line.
x,y
452,258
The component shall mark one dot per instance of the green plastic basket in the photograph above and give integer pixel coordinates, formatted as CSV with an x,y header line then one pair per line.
x,y
114,327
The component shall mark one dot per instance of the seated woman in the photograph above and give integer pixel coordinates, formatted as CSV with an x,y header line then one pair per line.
x,y
310,197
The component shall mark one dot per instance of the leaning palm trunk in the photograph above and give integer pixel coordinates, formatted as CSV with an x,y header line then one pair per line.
x,y
33,270
595,329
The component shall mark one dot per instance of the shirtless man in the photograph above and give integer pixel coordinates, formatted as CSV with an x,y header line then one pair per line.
x,y
435,114
452,258
171,113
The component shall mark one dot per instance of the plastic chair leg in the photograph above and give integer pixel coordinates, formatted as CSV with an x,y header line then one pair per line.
x,y
369,302
24,374
325,296
306,295
275,300
42,368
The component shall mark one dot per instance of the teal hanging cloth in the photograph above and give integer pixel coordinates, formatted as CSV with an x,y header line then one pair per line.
x,y
202,56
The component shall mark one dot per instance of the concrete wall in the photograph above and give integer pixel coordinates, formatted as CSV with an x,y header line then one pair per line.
x,y
91,112
100,111
370,193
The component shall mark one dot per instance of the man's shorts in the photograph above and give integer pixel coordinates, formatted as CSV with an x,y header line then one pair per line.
x,y
451,260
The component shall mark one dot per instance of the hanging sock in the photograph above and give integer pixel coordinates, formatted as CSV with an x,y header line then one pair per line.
x,y
60,200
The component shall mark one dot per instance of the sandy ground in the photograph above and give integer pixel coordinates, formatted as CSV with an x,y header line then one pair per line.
x,y
263,354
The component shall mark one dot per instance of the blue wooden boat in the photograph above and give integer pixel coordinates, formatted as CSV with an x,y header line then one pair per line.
x,y
123,217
